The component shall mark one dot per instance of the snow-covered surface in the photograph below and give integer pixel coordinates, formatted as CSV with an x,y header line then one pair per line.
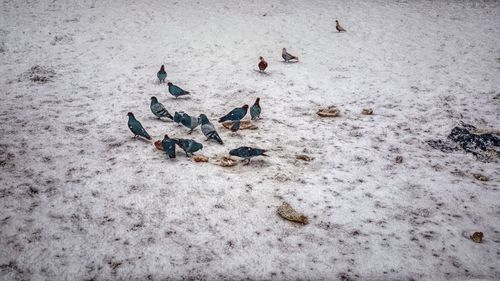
x,y
80,199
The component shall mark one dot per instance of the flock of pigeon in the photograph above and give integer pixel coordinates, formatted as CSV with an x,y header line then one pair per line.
x,y
189,145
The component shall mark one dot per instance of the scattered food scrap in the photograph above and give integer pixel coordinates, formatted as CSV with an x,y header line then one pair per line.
x,y
200,158
304,157
244,125
225,161
367,111
477,237
480,177
331,111
288,213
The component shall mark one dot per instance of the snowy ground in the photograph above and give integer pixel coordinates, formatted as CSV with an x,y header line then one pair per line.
x,y
80,199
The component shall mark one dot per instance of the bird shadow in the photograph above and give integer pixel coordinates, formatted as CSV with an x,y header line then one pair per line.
x,y
263,73
182,98
290,62
157,82
140,139
166,120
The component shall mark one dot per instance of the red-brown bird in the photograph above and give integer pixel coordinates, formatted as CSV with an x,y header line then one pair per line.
x,y
339,28
262,64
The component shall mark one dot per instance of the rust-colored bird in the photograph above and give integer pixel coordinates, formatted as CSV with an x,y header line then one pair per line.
x,y
262,64
339,28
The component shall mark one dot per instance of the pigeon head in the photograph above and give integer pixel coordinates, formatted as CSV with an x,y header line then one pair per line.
x,y
197,146
257,101
178,116
203,119
245,106
233,152
284,50
170,84
162,67
154,99
166,137
130,114
261,58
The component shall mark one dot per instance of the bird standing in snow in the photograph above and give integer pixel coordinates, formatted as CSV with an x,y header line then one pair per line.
x,y
287,57
176,91
158,109
262,64
235,114
189,146
255,109
246,152
338,27
136,127
190,122
208,129
169,146
178,117
162,74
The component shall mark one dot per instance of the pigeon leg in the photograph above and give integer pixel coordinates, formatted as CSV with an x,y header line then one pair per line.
x,y
247,163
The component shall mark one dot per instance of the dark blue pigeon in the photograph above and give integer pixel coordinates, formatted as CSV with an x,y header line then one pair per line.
x,y
189,146
190,122
247,152
162,74
235,114
208,129
158,109
255,109
136,127
169,146
176,91
236,126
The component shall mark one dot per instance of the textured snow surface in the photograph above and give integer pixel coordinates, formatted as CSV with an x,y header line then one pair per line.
x,y
80,199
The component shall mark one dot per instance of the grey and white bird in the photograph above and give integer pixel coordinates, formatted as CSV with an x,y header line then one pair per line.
x,y
208,129
158,109
190,122
338,27
287,57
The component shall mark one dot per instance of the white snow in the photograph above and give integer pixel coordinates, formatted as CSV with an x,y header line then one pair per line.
x,y
81,199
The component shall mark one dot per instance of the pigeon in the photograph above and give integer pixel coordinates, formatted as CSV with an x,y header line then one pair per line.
x,y
235,114
287,57
189,146
338,27
136,127
236,126
262,64
169,146
176,91
190,122
162,74
178,117
158,109
208,129
247,152
255,109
